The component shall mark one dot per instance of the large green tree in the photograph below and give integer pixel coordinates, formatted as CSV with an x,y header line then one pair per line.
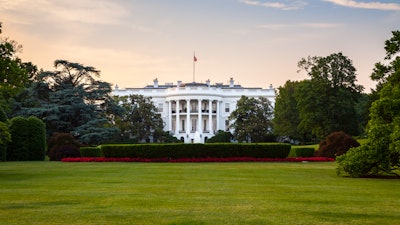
x,y
71,100
140,121
327,102
381,154
286,113
252,120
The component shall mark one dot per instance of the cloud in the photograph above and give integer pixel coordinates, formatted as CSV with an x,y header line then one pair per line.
x,y
84,11
276,5
299,25
366,5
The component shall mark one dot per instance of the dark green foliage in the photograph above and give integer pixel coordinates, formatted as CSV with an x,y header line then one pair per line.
x,y
18,148
336,144
28,139
3,116
176,151
90,152
286,113
328,101
221,137
381,153
71,100
252,120
62,145
5,137
301,152
37,139
140,120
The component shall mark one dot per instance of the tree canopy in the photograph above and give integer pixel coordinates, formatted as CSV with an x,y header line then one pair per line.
x,y
381,154
252,120
140,121
71,100
14,74
327,102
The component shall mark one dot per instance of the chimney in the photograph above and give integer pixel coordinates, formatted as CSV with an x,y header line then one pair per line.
x,y
155,83
231,83
208,82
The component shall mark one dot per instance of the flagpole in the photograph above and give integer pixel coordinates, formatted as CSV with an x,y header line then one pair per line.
x,y
194,66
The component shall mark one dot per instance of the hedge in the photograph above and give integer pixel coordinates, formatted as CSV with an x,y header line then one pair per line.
x,y
90,152
302,152
28,139
212,150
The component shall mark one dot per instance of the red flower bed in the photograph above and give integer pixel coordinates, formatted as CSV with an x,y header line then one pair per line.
x,y
233,159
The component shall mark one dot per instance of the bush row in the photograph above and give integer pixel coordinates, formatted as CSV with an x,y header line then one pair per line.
x,y
214,150
90,152
301,152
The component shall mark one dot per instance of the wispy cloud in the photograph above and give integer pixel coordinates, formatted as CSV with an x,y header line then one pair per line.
x,y
292,5
84,11
366,5
299,25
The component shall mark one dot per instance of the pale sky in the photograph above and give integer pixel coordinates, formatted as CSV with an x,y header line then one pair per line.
x,y
257,42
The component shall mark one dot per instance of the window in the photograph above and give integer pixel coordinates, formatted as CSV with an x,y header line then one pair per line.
x,y
227,108
194,125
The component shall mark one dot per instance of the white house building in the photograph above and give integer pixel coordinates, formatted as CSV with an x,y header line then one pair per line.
x,y
193,112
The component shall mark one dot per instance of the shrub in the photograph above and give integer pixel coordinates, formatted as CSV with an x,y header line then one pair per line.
x,y
359,161
177,151
28,139
301,152
37,139
221,137
63,145
90,152
18,148
335,144
5,137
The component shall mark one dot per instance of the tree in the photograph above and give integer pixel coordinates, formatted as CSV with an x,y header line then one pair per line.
x,y
381,154
15,75
286,113
140,119
327,102
252,120
71,100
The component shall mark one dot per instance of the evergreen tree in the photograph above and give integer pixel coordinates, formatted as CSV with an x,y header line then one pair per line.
x,y
71,100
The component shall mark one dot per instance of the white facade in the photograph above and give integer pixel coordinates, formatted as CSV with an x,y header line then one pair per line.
x,y
193,112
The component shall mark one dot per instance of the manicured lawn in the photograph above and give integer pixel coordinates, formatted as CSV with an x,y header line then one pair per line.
x,y
192,193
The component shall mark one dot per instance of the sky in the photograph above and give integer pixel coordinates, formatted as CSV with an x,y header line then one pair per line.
x,y
256,42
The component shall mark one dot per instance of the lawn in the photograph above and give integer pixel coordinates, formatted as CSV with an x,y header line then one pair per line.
x,y
192,193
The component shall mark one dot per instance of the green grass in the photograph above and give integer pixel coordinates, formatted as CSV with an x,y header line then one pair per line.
x,y
192,193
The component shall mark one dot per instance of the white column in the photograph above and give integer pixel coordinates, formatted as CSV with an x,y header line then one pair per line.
x,y
210,125
199,117
169,110
188,122
177,128
218,128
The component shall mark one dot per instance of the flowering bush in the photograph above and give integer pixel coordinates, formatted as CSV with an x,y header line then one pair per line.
x,y
232,159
